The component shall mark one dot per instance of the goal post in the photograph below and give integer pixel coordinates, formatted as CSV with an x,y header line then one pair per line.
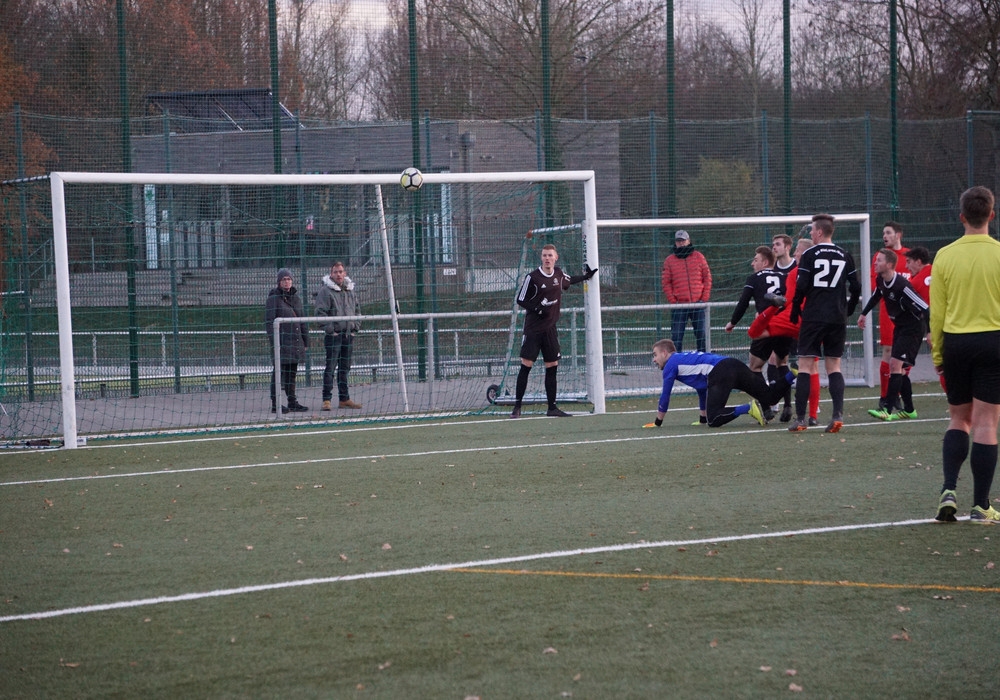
x,y
743,233
203,242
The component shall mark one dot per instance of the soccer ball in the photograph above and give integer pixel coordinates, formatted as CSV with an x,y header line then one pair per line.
x,y
411,179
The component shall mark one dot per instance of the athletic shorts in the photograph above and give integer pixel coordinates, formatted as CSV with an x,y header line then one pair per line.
x,y
971,363
780,345
905,346
822,339
546,342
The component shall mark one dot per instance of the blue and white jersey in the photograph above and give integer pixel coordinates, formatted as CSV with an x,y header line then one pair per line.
x,y
689,368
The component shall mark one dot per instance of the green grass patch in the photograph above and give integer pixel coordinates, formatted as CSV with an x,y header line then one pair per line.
x,y
733,605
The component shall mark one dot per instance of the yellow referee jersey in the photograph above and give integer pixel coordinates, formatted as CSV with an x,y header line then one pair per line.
x,y
965,289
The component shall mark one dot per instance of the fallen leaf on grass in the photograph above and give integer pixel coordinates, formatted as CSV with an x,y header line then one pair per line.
x,y
387,546
549,650
795,688
384,666
69,664
902,608
765,669
990,565
714,643
791,672
644,587
48,502
343,557
903,636
942,597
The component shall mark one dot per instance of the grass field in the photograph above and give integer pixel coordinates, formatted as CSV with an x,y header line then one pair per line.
x,y
490,558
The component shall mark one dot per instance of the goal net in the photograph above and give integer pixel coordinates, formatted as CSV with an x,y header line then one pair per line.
x,y
154,317
635,313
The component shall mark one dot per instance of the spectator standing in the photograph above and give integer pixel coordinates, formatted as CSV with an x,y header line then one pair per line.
x,y
283,302
686,279
826,273
965,348
336,297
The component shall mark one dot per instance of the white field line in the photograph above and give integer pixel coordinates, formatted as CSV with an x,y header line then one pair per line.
x,y
432,568
645,436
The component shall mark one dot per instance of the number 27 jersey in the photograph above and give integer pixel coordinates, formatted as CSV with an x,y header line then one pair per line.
x,y
826,274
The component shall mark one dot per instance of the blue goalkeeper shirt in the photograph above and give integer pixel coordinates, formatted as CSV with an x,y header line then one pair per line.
x,y
689,368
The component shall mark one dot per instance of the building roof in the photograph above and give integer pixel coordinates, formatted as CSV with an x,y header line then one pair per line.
x,y
245,109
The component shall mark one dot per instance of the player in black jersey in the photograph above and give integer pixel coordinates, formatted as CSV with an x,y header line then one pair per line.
x,y
909,317
763,286
540,295
784,262
826,274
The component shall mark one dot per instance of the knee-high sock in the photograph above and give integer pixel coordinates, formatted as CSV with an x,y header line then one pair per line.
x,y
894,390
983,461
803,385
836,386
884,373
906,393
550,385
814,395
522,384
954,450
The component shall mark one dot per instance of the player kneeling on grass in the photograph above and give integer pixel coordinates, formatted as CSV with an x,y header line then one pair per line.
x,y
714,377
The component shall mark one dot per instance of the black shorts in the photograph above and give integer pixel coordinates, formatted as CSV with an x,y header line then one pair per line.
x,y
822,339
971,363
780,345
546,342
906,345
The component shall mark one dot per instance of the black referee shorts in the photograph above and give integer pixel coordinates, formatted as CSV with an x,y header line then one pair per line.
x,y
971,363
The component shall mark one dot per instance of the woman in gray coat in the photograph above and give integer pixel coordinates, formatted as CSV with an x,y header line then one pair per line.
x,y
283,302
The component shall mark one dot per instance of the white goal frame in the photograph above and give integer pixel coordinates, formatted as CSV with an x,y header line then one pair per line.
x,y
59,180
864,235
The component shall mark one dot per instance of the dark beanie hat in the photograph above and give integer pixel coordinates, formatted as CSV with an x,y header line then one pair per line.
x,y
283,273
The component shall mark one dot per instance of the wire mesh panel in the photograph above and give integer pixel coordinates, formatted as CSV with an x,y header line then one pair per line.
x,y
167,286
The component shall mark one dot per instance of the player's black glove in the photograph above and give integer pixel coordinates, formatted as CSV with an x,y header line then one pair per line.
x,y
775,300
588,272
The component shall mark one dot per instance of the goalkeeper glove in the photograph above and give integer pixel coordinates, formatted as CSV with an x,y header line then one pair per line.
x,y
588,272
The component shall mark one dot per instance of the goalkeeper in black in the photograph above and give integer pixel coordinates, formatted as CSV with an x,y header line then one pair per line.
x,y
826,274
909,317
540,295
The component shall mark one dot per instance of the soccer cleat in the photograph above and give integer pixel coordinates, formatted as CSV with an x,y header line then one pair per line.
x,y
327,405
903,415
813,422
557,413
879,413
797,426
756,413
786,414
349,404
947,507
768,413
835,424
984,517
516,413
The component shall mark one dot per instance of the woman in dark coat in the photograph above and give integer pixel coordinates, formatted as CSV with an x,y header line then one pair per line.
x,y
283,302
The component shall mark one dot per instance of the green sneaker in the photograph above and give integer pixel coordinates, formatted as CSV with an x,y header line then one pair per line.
x,y
903,415
879,413
756,413
947,507
984,517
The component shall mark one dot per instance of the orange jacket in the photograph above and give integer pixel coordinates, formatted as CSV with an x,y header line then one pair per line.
x,y
686,278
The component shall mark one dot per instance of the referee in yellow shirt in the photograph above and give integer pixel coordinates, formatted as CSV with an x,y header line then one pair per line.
x,y
965,348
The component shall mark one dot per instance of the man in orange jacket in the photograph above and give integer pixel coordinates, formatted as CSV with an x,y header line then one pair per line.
x,y
686,279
